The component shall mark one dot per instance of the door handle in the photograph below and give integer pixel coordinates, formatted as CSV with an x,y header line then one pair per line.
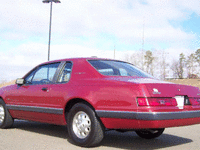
x,y
45,89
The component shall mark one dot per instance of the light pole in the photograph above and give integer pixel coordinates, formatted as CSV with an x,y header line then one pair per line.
x,y
50,1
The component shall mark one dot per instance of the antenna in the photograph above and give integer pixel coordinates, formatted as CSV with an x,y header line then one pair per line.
x,y
114,51
143,45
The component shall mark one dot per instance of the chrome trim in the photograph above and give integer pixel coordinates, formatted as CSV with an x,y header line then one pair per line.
x,y
49,110
81,125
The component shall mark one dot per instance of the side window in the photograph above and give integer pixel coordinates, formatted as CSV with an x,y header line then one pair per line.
x,y
66,73
108,71
123,72
43,75
30,77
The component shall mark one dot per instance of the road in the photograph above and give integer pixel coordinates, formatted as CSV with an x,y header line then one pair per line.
x,y
26,135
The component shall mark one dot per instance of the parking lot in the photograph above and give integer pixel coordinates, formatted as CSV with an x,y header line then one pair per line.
x,y
26,135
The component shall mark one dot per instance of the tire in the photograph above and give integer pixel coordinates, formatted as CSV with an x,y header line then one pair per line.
x,y
84,127
150,134
6,120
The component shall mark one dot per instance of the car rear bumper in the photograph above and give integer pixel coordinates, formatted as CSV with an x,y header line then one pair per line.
x,y
141,120
148,115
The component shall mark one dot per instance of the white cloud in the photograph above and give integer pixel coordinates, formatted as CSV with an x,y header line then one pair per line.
x,y
123,20
173,53
18,61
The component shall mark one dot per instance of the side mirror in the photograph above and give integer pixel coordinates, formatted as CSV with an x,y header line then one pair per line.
x,y
20,81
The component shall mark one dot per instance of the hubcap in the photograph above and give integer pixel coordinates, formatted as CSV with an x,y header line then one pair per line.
x,y
2,114
81,124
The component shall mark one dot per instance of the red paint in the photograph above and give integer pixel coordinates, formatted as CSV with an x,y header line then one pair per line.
x,y
112,93
113,123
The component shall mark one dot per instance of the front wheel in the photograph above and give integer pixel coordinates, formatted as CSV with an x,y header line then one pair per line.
x,y
150,133
6,119
84,127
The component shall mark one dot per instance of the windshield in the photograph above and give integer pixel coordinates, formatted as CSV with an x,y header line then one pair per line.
x,y
117,68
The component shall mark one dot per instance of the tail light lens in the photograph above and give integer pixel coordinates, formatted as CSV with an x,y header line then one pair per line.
x,y
142,101
195,101
156,101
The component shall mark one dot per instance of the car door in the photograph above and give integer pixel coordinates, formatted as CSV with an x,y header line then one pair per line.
x,y
33,100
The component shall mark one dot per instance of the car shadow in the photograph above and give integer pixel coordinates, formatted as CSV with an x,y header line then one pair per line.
x,y
130,140
41,128
113,139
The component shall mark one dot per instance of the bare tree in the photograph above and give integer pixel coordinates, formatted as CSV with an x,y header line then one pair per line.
x,y
149,62
127,58
156,63
175,68
178,66
163,64
191,64
135,58
181,65
197,56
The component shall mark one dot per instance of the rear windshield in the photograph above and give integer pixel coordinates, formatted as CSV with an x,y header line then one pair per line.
x,y
117,68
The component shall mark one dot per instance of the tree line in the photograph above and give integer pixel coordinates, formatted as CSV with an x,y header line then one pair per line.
x,y
161,65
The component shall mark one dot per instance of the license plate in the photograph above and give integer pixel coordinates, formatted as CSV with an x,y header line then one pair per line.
x,y
180,101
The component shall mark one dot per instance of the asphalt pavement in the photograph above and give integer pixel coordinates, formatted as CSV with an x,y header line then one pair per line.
x,y
26,135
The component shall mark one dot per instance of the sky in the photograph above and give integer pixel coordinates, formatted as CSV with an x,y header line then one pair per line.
x,y
85,28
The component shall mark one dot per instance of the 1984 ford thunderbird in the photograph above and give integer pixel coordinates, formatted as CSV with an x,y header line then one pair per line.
x,y
90,95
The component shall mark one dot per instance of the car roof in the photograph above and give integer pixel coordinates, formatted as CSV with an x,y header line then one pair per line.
x,y
77,59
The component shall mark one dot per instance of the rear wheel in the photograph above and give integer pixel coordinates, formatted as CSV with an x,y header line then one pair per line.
x,y
6,120
150,133
84,127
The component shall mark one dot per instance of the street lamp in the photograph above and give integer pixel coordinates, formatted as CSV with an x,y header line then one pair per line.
x,y
50,1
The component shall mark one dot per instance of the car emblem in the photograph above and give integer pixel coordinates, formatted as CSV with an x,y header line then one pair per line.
x,y
179,90
155,91
162,102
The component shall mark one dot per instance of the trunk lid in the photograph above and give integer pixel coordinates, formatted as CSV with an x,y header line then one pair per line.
x,y
157,88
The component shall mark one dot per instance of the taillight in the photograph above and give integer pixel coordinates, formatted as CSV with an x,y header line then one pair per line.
x,y
142,101
156,101
195,101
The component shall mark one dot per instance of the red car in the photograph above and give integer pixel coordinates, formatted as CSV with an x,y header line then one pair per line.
x,y
91,95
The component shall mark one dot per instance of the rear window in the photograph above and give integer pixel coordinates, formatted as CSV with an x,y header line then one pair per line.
x,y
117,68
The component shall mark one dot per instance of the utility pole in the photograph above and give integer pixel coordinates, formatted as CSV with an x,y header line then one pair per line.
x,y
50,1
